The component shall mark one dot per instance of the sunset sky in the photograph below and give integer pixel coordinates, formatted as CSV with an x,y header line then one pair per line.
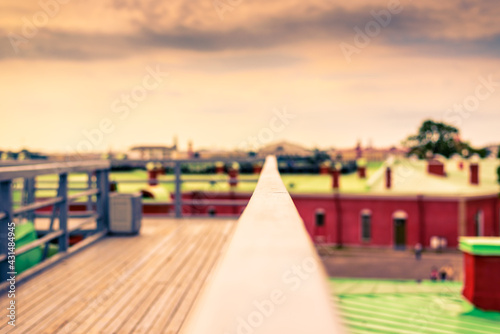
x,y
67,66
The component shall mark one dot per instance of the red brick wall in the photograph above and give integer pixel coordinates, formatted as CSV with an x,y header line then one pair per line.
x,y
490,209
439,216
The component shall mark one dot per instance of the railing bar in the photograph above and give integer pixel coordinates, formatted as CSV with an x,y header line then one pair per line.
x,y
216,202
13,172
178,191
76,214
89,192
84,222
55,189
55,181
38,242
225,180
115,162
38,205
143,181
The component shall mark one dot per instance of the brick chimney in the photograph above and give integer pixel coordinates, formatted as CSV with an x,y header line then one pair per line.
x,y
388,178
474,173
219,167
335,171
153,171
361,163
233,174
190,150
362,172
435,167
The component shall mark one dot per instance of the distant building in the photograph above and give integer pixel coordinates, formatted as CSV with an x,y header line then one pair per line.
x,y
413,203
152,152
369,153
22,155
284,148
215,153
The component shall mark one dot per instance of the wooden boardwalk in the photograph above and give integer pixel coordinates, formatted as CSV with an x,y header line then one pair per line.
x,y
142,284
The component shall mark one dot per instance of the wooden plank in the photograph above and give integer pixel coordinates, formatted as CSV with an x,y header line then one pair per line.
x,y
190,291
198,282
176,278
47,285
134,296
85,319
94,284
49,305
167,305
68,269
152,271
96,290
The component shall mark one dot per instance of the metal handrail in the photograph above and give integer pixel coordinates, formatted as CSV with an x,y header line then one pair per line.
x,y
59,203
29,171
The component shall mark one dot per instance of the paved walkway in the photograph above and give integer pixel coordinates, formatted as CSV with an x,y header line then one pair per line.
x,y
388,263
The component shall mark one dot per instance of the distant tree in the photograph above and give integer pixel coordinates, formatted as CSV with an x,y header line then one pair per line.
x,y
319,156
438,138
498,152
498,175
482,152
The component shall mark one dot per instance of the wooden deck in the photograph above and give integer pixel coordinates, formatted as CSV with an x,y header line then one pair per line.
x,y
142,284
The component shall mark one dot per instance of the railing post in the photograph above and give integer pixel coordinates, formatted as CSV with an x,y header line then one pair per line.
x,y
102,200
63,212
6,209
31,198
178,195
89,186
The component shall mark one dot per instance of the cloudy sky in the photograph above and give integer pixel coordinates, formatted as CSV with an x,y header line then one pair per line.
x,y
94,75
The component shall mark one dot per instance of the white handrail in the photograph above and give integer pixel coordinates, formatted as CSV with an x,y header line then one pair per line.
x,y
270,279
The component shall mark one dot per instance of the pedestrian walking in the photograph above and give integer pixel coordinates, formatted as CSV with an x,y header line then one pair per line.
x,y
418,251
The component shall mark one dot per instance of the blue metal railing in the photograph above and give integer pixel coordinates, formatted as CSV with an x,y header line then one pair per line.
x,y
59,203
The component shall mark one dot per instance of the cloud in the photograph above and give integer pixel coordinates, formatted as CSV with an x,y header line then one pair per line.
x,y
135,26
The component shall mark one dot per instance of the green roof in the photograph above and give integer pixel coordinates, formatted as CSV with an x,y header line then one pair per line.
x,y
409,178
487,246
392,306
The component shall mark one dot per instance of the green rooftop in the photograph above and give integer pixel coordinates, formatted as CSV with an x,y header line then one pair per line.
x,y
409,178
408,307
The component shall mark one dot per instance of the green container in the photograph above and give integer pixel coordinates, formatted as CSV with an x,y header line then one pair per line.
x,y
25,234
483,246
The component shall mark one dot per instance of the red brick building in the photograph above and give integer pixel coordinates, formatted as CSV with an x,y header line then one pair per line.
x,y
418,205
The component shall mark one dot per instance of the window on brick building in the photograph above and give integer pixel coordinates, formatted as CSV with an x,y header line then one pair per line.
x,y
320,217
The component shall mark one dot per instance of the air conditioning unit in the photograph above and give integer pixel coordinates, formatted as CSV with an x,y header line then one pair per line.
x,y
125,213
